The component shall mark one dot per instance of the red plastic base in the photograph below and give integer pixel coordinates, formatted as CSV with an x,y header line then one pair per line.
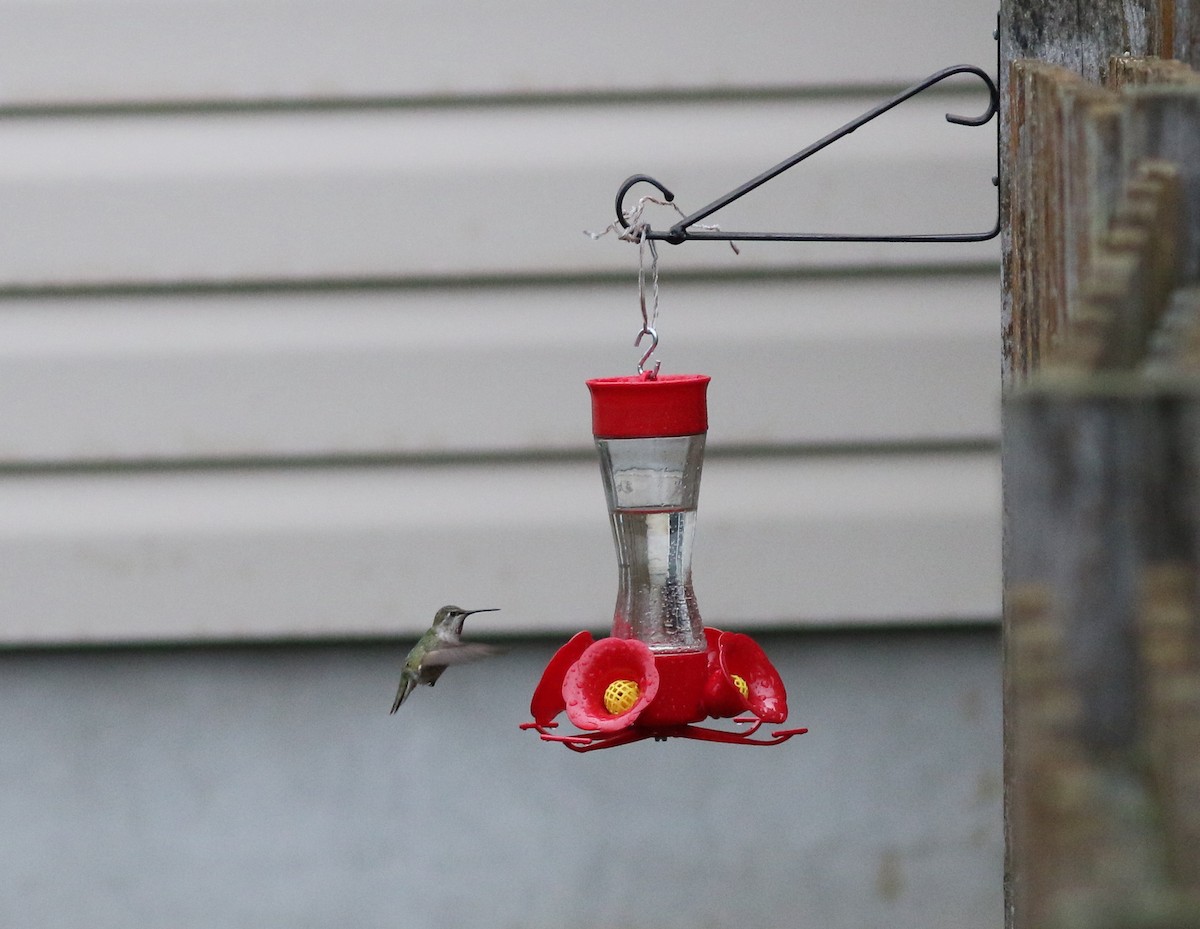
x,y
680,698
732,679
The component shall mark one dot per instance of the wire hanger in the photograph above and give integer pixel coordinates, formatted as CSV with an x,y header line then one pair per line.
x,y
682,231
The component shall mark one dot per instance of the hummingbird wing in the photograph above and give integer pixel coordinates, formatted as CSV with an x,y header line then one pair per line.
x,y
461,653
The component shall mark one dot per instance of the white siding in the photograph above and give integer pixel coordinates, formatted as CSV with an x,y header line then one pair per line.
x,y
399,193
350,552
314,366
433,370
116,52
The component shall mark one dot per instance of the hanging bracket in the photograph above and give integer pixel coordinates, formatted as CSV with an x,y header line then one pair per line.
x,y
683,230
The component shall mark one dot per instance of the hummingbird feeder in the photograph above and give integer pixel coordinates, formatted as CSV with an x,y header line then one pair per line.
x,y
662,672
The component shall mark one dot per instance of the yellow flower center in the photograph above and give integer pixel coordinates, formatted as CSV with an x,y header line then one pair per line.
x,y
740,683
620,696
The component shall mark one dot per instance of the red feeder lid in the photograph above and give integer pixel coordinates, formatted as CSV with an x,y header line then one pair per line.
x,y
639,408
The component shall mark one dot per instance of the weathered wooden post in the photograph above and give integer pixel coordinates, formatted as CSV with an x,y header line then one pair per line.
x,y
1101,243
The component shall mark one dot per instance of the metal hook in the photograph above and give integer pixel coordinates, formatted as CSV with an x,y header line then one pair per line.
x,y
681,232
993,93
630,182
648,330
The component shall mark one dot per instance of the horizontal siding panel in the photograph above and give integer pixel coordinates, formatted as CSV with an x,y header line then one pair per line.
x,y
463,370
493,191
115,51
168,556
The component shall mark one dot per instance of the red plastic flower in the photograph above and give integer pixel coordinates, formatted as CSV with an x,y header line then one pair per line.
x,y
548,699
610,684
722,697
742,678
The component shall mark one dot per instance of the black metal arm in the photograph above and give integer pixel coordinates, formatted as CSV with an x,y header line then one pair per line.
x,y
682,231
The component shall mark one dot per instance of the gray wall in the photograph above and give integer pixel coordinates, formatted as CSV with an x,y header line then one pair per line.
x,y
268,787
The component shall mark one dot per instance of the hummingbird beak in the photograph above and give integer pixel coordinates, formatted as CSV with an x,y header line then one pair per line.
x,y
490,609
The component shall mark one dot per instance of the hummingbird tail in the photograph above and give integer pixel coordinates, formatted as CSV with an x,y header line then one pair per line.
x,y
406,687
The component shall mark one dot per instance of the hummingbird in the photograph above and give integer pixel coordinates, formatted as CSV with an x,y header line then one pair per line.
x,y
439,648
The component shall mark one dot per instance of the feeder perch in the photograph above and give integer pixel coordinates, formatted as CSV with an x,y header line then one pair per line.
x,y
661,671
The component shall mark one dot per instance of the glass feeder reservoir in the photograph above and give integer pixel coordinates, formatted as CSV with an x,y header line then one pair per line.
x,y
661,671
652,485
